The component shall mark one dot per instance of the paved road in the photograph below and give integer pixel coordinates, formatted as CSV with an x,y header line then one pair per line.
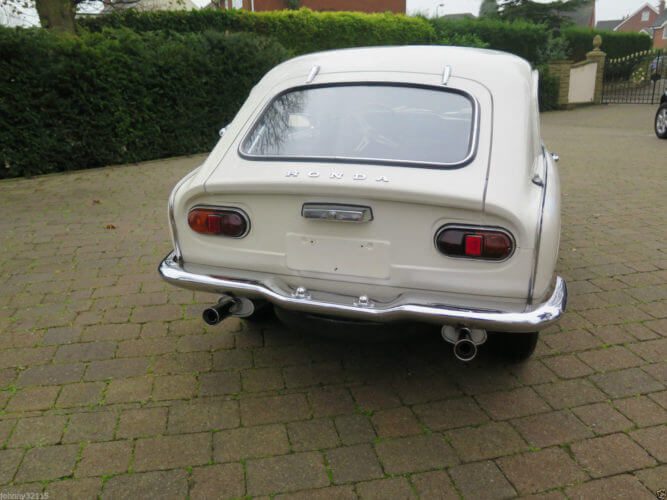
x,y
113,386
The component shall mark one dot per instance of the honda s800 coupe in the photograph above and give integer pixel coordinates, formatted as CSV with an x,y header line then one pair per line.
x,y
380,185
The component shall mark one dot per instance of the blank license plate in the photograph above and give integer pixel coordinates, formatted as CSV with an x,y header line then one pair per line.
x,y
350,257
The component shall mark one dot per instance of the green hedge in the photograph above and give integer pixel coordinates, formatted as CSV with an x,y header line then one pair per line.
x,y
615,44
521,38
119,96
301,31
527,40
138,86
548,90
306,31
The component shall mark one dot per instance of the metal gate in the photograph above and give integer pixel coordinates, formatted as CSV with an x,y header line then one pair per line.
x,y
639,78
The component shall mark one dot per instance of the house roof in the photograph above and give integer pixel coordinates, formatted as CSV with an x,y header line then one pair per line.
x,y
643,7
661,20
608,25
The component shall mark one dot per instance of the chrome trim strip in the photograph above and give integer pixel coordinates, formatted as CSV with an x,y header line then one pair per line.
x,y
446,74
474,227
538,239
472,150
172,217
336,212
404,307
313,73
236,210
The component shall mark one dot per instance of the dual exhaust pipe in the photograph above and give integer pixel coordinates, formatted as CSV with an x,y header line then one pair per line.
x,y
465,341
228,306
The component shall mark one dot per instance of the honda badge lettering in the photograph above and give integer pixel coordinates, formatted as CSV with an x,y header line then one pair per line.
x,y
357,176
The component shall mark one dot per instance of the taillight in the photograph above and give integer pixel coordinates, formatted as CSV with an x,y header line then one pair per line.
x,y
474,243
233,223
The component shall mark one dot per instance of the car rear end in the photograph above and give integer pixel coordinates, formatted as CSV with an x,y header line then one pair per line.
x,y
378,195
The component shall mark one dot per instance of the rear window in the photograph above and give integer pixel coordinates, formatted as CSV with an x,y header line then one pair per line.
x,y
394,124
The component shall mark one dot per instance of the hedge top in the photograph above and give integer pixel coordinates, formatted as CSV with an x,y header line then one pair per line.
x,y
614,44
303,31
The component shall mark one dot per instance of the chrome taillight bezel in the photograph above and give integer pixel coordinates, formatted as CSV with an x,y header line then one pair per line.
x,y
218,208
473,228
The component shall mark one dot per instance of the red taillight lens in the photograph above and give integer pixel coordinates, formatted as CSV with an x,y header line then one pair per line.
x,y
220,222
474,243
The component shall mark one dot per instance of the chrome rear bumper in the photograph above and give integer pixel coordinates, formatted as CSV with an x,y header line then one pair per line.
x,y
402,308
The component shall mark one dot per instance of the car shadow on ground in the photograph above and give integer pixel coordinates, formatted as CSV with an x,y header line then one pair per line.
x,y
412,358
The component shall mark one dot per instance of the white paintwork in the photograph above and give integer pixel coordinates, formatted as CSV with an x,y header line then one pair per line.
x,y
582,83
495,189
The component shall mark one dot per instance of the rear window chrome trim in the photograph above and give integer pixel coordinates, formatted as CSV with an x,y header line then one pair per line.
x,y
472,146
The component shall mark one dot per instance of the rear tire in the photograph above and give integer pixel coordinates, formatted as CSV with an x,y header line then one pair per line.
x,y
661,121
514,347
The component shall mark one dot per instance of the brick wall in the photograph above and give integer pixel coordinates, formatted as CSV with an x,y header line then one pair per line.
x,y
561,70
659,42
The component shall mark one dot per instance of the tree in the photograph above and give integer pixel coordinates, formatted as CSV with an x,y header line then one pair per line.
x,y
56,15
489,8
553,14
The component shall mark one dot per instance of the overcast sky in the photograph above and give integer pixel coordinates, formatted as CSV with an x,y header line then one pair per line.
x,y
606,9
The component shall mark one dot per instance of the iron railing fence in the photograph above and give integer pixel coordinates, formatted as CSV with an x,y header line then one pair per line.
x,y
639,78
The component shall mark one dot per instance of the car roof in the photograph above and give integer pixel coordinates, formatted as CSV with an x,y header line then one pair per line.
x,y
482,65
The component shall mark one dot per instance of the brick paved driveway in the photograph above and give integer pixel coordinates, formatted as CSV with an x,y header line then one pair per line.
x,y
111,384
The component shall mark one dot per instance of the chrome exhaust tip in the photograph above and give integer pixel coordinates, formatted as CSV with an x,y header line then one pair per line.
x,y
240,307
465,341
465,350
215,314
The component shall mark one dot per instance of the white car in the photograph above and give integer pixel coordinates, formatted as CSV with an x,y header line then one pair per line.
x,y
381,184
661,118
